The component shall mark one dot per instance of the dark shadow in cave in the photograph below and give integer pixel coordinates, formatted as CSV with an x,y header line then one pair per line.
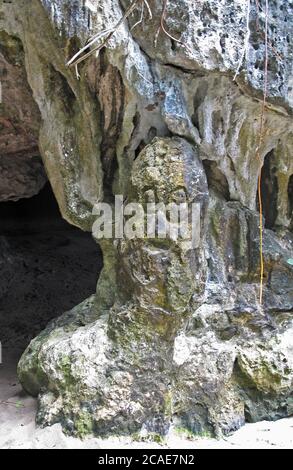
x,y
216,179
47,267
269,190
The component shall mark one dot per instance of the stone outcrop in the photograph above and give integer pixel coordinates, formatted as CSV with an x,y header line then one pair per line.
x,y
22,171
174,335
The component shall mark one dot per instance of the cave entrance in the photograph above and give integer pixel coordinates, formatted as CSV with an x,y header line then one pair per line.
x,y
47,267
269,190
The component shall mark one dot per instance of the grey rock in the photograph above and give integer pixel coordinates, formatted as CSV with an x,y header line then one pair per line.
x,y
127,384
173,333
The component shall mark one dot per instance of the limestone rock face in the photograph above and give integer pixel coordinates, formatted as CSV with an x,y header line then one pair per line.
x,y
213,36
175,334
129,349
22,172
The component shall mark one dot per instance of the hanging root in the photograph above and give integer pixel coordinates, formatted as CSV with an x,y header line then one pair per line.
x,y
162,28
144,3
261,121
260,142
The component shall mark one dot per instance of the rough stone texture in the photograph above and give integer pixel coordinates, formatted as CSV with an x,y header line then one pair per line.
x,y
22,172
186,341
123,360
213,35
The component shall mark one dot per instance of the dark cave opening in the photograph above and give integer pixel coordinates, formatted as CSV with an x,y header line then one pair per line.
x,y
47,267
269,190
216,179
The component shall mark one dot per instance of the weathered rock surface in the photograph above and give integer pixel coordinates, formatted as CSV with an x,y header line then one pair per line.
x,y
123,360
173,334
213,36
21,168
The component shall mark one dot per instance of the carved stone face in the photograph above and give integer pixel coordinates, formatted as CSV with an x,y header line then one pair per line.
x,y
168,170
158,276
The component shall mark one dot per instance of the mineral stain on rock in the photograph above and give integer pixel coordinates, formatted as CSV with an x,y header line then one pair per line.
x,y
173,335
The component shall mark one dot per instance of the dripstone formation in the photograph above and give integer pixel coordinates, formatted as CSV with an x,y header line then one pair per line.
x,y
175,334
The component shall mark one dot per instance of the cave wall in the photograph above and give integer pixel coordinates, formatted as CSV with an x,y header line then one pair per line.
x,y
201,353
22,172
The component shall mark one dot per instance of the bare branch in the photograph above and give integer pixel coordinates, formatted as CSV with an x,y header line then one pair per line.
x,y
149,9
78,57
101,39
92,40
141,17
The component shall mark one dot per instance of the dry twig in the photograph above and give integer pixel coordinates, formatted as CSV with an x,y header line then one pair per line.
x,y
163,28
103,37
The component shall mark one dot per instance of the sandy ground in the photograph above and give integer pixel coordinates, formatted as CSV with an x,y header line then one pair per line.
x,y
18,429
